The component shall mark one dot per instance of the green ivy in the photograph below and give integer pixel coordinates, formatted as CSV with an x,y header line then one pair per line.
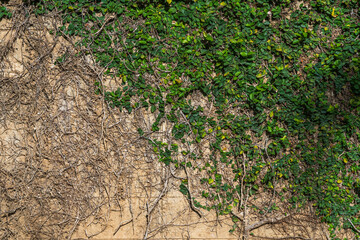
x,y
4,13
294,71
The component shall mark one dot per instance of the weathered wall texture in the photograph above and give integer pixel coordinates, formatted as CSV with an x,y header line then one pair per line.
x,y
71,167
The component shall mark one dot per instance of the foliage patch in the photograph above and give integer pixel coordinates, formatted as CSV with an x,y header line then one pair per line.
x,y
4,13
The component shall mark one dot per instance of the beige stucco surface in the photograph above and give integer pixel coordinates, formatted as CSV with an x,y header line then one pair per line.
x,y
75,168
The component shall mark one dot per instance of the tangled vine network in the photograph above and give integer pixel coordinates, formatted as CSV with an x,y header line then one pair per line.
x,y
249,109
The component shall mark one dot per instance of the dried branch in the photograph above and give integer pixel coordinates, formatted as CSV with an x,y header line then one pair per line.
x,y
124,223
264,222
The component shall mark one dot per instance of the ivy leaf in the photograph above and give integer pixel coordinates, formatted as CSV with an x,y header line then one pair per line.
x,y
183,189
153,108
333,13
140,131
244,54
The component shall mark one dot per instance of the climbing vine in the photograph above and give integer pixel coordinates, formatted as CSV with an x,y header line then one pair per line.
x,y
278,83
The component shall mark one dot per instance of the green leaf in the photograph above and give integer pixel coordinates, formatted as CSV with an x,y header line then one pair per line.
x,y
244,54
183,189
153,108
141,132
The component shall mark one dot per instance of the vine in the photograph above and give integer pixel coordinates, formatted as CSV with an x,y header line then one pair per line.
x,y
279,91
